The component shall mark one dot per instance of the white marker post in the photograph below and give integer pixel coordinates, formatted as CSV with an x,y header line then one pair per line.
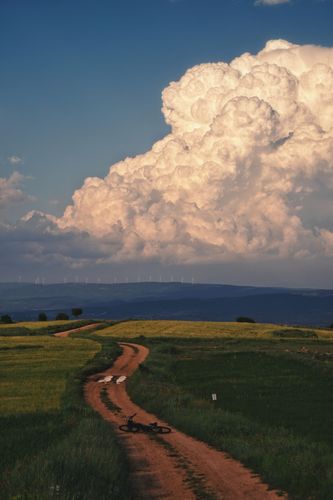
x,y
214,397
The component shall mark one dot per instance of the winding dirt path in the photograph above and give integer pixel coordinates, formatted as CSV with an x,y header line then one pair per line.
x,y
75,330
173,466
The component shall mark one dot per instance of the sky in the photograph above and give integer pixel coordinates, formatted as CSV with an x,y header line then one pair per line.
x,y
82,87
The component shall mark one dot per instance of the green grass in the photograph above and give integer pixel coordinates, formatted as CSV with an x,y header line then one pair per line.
x,y
273,411
274,388
58,447
39,327
268,388
199,329
34,379
32,325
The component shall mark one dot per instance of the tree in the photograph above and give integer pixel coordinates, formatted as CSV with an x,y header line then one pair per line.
x,y
76,311
245,319
5,318
62,316
42,317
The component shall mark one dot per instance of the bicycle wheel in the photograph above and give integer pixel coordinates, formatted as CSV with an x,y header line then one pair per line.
x,y
126,428
163,430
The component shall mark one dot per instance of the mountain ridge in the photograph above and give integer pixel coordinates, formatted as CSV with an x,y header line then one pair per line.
x,y
154,300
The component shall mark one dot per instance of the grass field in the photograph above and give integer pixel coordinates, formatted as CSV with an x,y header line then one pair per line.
x,y
199,329
34,371
274,394
39,327
273,409
52,444
32,325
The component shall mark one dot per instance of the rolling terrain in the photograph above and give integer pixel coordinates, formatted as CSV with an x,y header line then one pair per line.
x,y
271,417
181,301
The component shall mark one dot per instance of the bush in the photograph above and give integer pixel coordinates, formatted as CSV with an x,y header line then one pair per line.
x,y
62,316
42,317
245,319
6,319
76,312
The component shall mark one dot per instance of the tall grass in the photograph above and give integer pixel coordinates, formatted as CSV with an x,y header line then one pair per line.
x,y
70,453
34,371
258,418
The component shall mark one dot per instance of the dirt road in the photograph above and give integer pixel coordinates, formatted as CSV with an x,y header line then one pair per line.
x,y
75,330
173,466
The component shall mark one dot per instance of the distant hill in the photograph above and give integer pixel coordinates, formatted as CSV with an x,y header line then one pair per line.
x,y
170,301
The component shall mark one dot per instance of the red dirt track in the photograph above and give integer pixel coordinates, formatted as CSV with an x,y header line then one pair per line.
x,y
173,466
75,330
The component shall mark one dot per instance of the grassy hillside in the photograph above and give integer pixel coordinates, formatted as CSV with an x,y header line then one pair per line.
x,y
34,371
33,325
273,409
54,446
274,394
205,329
39,327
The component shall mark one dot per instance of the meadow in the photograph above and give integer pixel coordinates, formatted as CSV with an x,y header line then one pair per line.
x,y
33,325
40,327
205,329
34,371
274,394
52,444
273,408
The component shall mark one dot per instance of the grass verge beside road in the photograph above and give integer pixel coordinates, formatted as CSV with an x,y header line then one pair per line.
x,y
65,450
274,395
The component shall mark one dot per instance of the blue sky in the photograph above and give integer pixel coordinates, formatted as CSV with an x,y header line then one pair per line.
x,y
81,80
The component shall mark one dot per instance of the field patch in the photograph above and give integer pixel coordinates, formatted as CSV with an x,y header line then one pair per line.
x,y
33,328
53,445
274,401
35,325
34,371
205,329
268,388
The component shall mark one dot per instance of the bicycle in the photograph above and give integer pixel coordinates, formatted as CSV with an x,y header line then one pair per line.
x,y
132,426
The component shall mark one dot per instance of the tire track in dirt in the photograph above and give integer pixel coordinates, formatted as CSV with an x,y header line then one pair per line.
x,y
173,466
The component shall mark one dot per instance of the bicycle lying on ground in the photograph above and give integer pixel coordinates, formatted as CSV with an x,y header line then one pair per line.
x,y
132,426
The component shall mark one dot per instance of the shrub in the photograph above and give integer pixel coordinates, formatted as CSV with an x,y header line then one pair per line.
x,y
62,316
76,312
245,319
6,319
42,317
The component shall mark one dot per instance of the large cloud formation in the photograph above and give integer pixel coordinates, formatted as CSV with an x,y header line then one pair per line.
x,y
250,142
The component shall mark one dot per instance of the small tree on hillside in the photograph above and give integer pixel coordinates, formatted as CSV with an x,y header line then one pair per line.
x,y
6,319
76,311
62,317
42,317
245,319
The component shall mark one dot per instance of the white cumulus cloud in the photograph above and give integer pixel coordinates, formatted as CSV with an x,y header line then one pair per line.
x,y
15,159
10,190
271,2
250,141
